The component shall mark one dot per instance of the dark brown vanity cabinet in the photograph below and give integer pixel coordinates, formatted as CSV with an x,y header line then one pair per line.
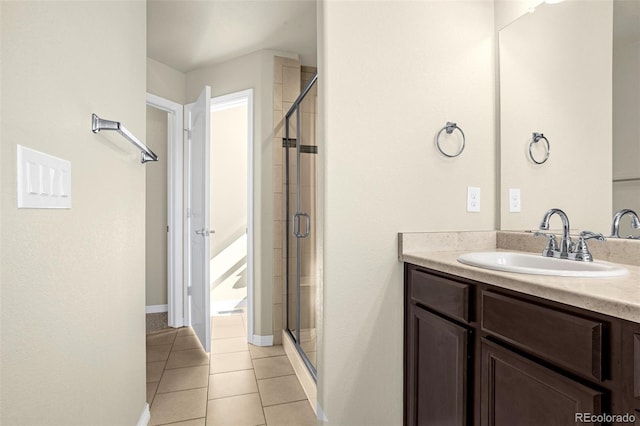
x,y
437,351
437,354
476,354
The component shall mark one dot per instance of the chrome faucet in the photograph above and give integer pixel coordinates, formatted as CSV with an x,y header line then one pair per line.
x,y
566,245
615,226
567,249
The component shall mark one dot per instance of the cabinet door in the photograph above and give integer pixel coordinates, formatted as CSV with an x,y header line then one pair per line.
x,y
518,391
436,370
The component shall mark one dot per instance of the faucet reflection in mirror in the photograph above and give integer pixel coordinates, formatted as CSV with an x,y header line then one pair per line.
x,y
615,226
567,249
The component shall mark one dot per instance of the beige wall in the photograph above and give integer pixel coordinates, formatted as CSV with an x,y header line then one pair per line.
x,y
382,101
555,78
156,209
73,294
252,71
165,81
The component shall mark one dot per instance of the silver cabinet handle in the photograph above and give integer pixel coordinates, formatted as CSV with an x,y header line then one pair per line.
x,y
296,225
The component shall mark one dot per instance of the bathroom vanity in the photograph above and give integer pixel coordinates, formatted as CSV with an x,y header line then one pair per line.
x,y
495,348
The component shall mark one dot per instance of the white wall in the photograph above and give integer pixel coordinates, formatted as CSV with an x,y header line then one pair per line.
x,y
555,78
73,329
391,75
252,71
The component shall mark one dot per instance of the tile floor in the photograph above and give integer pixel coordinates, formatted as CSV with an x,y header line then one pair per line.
x,y
238,384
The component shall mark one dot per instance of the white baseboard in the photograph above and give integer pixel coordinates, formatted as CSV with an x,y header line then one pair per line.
x,y
262,340
156,309
145,416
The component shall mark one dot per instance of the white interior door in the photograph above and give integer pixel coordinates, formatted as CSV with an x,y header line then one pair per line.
x,y
198,216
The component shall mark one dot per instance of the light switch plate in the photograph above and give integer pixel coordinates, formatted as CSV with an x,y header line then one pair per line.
x,y
514,200
44,181
473,199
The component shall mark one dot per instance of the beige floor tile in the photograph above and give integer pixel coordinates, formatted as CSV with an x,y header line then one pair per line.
x,y
272,367
177,406
154,371
221,321
295,414
265,351
187,358
194,422
184,378
186,342
235,411
186,331
278,390
158,353
161,337
234,361
226,331
233,344
151,391
231,384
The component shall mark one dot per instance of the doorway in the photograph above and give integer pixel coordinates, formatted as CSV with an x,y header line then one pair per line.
x,y
231,206
164,230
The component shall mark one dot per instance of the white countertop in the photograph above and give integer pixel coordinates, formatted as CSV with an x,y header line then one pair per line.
x,y
617,296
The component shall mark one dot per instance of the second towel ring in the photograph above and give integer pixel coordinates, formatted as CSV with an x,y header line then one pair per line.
x,y
536,138
450,127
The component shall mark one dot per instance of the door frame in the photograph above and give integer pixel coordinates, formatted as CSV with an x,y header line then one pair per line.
x,y
175,181
229,99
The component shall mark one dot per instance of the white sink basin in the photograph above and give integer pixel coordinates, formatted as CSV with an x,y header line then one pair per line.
x,y
536,264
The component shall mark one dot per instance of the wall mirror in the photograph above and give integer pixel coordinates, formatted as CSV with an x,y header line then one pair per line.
x,y
572,72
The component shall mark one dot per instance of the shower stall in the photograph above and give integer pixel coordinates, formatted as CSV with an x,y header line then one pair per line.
x,y
301,239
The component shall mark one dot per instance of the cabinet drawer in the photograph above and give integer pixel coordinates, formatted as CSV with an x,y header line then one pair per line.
x,y
566,340
440,294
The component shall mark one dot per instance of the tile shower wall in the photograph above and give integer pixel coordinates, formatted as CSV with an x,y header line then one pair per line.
x,y
289,78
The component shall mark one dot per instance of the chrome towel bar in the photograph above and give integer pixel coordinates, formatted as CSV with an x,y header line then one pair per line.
x,y
450,127
535,138
98,124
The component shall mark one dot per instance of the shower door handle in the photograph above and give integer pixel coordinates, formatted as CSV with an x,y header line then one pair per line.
x,y
296,225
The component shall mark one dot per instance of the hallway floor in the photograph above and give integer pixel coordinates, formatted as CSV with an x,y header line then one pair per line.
x,y
239,384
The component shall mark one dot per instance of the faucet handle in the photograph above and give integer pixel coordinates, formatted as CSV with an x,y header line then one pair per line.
x,y
552,245
587,235
581,251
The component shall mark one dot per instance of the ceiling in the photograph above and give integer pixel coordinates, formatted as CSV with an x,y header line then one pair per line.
x,y
189,34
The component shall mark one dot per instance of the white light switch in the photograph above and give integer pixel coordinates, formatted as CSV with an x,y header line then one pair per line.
x,y
473,199
514,200
44,181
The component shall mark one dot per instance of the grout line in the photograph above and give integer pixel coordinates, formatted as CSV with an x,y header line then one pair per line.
x,y
267,378
164,368
264,414
285,403
186,420
233,396
180,390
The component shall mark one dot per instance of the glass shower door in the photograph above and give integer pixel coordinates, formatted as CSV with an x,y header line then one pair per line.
x,y
301,157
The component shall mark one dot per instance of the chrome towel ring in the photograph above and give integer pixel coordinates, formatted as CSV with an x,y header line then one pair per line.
x,y
450,127
536,138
